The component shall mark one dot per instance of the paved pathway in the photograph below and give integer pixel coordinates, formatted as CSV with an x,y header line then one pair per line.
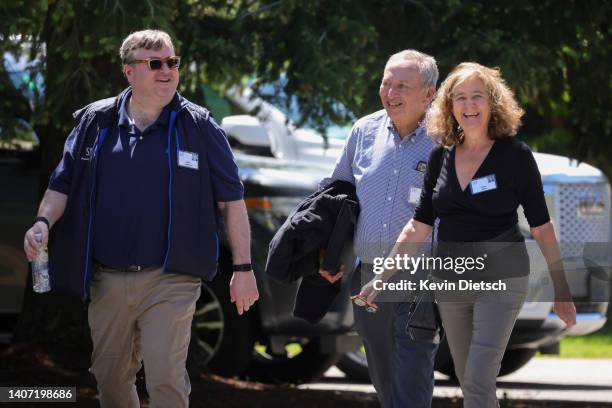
x,y
541,379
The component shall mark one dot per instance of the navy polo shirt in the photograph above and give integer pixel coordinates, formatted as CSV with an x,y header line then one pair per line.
x,y
131,210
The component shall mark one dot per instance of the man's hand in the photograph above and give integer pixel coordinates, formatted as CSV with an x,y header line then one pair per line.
x,y
332,278
243,286
51,207
243,290
31,245
328,275
369,293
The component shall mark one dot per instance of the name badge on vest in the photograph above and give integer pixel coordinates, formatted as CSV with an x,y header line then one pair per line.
x,y
482,184
187,159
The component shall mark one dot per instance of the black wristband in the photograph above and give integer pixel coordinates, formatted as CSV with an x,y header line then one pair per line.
x,y
43,219
242,267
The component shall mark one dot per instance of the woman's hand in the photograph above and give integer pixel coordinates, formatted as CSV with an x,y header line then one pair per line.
x,y
566,312
563,306
547,241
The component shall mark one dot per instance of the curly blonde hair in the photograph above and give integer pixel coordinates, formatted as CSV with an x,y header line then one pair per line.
x,y
505,112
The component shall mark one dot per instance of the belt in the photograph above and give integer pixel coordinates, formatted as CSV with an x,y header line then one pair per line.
x,y
131,268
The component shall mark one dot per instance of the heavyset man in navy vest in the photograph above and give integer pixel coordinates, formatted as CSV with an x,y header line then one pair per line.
x,y
134,201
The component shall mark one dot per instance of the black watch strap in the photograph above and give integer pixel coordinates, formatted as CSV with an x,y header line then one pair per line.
x,y
43,219
242,267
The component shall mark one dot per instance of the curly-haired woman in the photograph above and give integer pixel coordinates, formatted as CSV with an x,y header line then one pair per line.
x,y
474,184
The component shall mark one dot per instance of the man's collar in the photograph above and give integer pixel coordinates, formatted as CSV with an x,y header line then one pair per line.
x,y
416,134
419,133
124,118
162,119
107,110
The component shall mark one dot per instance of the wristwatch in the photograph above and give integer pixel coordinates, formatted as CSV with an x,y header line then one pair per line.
x,y
242,267
42,219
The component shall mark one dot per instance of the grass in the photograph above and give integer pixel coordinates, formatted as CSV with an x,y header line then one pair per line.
x,y
594,345
292,349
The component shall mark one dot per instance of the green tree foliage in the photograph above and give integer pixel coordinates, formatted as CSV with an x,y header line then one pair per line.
x,y
13,102
330,53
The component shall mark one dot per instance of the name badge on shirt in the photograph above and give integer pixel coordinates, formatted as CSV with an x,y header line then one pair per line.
x,y
482,184
187,159
415,195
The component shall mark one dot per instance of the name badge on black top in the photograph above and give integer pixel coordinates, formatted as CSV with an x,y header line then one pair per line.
x,y
482,184
188,159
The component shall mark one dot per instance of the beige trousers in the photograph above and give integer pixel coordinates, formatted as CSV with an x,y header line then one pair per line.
x,y
141,316
478,325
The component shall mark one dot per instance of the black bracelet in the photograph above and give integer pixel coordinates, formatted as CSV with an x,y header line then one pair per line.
x,y
242,267
43,219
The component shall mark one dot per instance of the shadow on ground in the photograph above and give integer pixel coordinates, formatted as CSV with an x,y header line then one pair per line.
x,y
30,365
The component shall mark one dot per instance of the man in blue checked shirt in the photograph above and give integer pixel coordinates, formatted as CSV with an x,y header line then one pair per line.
x,y
385,157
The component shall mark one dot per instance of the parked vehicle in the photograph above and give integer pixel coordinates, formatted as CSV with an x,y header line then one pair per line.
x,y
19,181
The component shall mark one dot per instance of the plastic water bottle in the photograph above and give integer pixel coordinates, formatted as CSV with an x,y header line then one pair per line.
x,y
40,269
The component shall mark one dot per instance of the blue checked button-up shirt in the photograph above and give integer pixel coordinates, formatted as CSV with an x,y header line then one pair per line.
x,y
383,169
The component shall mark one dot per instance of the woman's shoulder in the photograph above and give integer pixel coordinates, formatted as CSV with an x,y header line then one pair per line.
x,y
437,151
436,157
514,145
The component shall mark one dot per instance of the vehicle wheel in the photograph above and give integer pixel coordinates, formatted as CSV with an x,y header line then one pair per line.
x,y
221,340
515,359
308,364
355,365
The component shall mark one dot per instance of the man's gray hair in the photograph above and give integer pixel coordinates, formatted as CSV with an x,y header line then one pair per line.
x,y
147,39
426,65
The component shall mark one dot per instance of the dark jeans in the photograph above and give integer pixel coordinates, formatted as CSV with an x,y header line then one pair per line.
x,y
413,363
401,369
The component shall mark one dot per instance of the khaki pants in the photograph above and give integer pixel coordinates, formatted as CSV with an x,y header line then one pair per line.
x,y
141,316
478,325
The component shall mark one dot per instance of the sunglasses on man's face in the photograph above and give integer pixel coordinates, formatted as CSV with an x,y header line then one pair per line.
x,y
155,64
